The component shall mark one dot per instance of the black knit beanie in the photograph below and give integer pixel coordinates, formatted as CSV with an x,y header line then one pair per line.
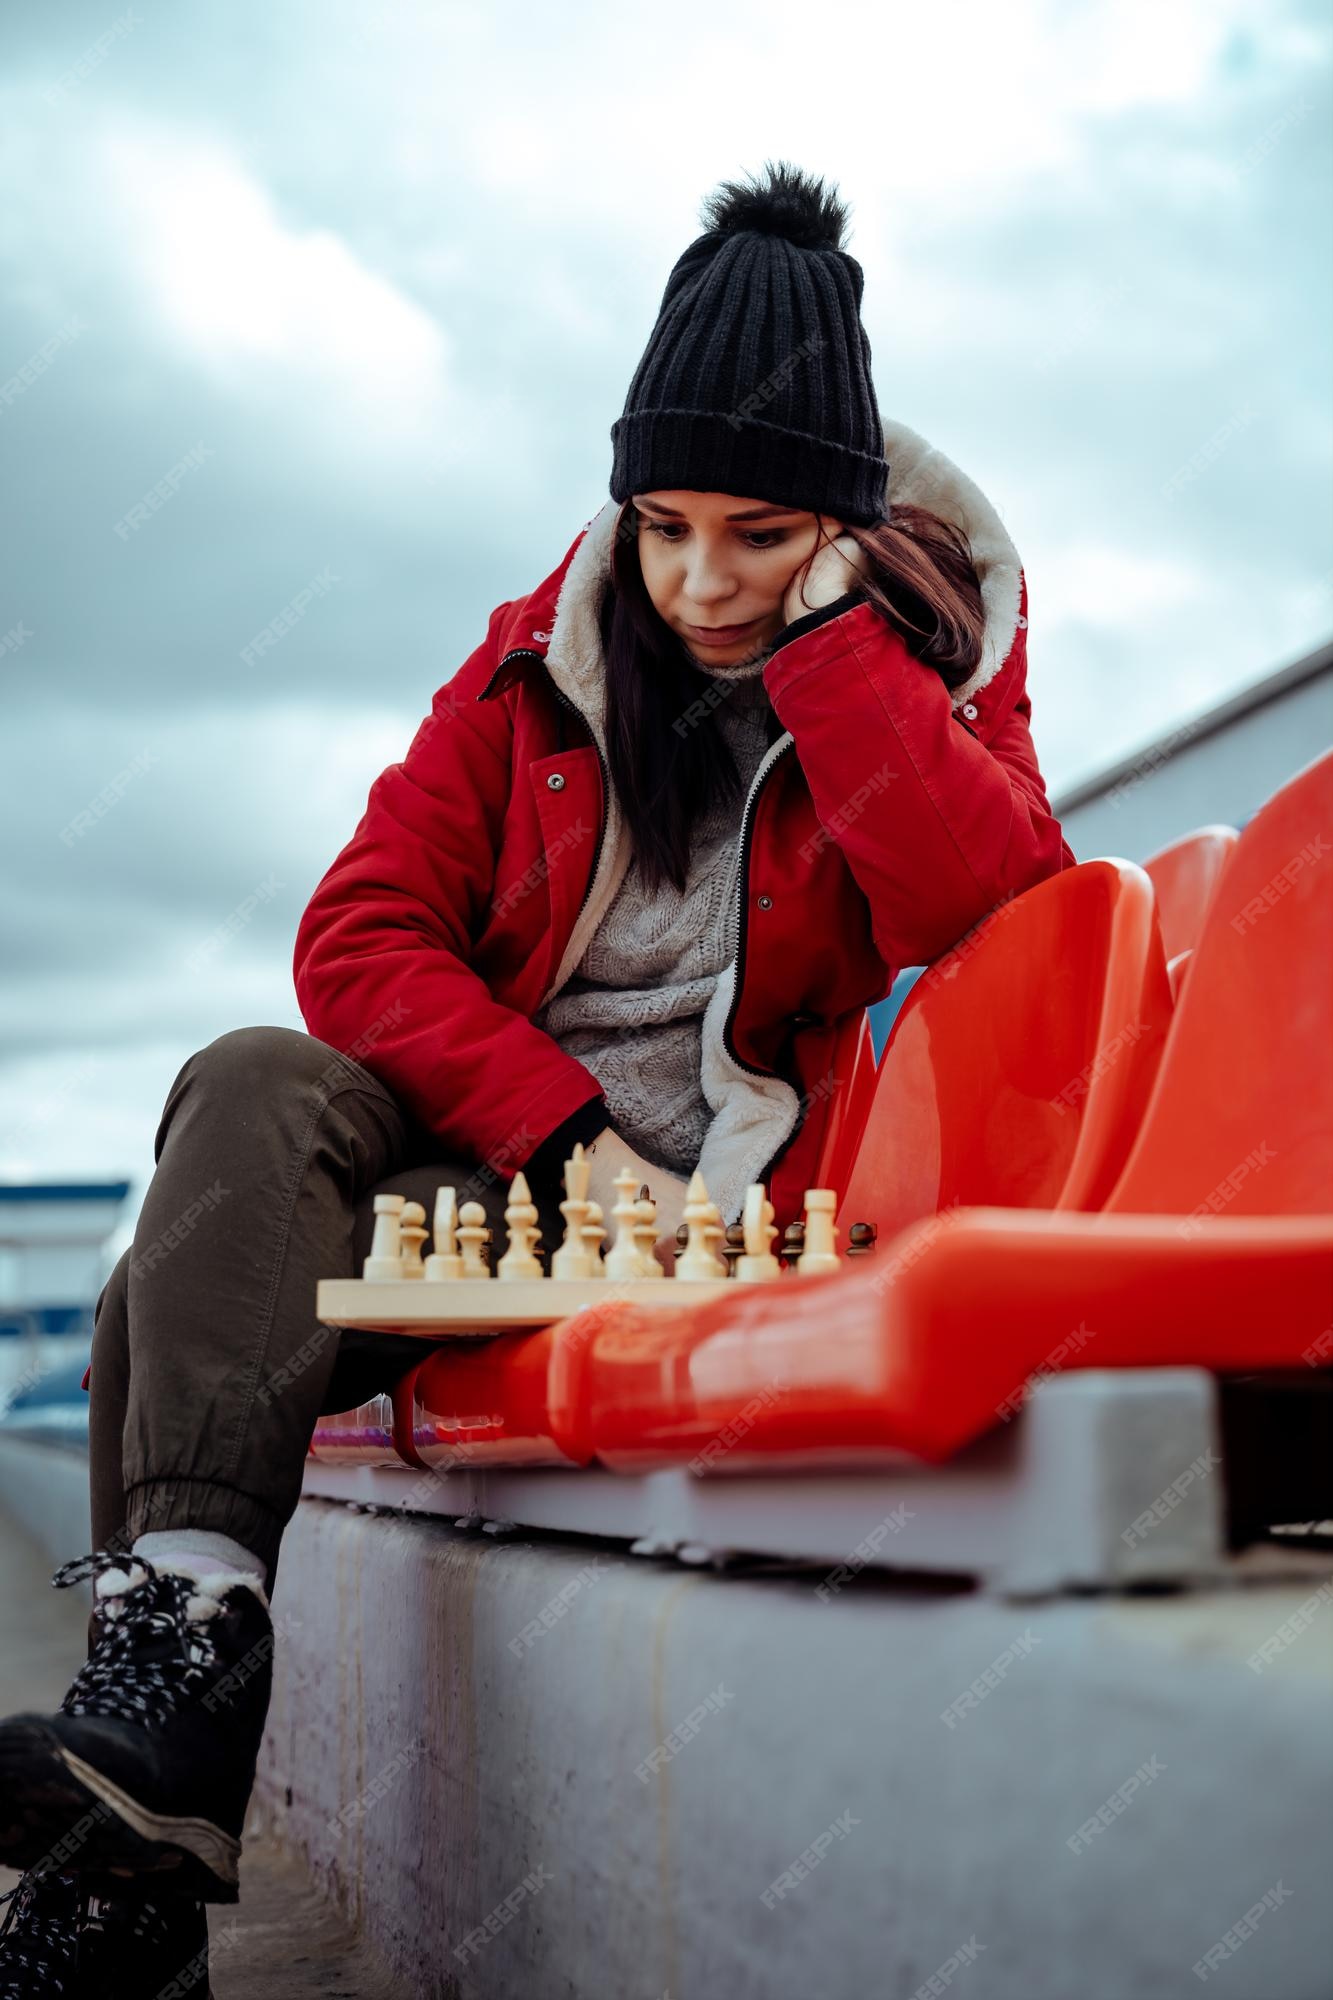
x,y
756,377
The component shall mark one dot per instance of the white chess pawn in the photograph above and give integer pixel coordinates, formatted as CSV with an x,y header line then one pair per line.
x,y
703,1223
386,1246
412,1233
574,1258
444,1261
758,1263
623,1260
594,1231
820,1254
520,1220
645,1236
472,1233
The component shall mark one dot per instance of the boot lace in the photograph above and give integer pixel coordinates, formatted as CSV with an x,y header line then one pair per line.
x,y
154,1651
42,1934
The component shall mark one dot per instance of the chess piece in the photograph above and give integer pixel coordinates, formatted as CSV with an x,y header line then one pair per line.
x,y
645,1233
593,1233
703,1225
820,1254
733,1246
444,1261
385,1259
623,1262
472,1234
758,1230
573,1259
793,1242
412,1234
520,1223
861,1239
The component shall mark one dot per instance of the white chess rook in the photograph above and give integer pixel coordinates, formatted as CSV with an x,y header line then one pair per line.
x,y
820,1254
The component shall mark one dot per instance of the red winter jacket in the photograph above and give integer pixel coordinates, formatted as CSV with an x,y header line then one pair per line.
x,y
885,822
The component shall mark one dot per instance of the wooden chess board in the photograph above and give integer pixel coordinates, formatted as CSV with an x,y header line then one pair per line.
x,y
470,1306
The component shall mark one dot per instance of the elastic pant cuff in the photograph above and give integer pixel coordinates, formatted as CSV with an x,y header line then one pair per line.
x,y
202,1503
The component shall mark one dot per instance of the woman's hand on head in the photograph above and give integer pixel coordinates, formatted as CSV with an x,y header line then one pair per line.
x,y
835,567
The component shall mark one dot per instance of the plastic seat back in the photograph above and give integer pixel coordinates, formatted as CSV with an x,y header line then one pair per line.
x,y
1241,1118
1185,877
1020,1064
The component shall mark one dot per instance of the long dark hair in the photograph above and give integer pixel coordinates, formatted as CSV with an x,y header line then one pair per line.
x,y
668,759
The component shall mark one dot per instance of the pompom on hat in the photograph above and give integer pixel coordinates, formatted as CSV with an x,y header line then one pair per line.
x,y
756,376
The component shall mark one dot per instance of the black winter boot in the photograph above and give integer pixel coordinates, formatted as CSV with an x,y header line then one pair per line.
x,y
72,1937
150,1760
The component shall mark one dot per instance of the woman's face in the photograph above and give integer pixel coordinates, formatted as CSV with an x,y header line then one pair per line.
x,y
717,567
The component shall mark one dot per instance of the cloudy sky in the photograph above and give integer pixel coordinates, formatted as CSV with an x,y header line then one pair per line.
x,y
369,287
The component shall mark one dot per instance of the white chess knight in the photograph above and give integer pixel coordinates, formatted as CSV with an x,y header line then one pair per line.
x,y
462,1233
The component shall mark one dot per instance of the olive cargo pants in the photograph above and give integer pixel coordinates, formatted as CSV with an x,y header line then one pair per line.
x,y
209,1364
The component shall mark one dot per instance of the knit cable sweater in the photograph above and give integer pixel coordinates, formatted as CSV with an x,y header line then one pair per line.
x,y
632,1010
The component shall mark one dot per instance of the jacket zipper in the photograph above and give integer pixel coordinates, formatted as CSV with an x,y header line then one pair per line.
x,y
772,756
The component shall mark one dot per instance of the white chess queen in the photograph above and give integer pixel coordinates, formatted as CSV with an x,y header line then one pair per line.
x,y
759,740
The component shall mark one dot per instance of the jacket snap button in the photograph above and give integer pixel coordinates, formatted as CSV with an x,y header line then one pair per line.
x,y
970,710
1022,624
555,782
765,902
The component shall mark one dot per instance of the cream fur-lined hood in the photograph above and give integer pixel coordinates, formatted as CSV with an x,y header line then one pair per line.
x,y
754,1116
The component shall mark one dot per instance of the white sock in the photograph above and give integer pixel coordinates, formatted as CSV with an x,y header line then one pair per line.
x,y
199,1553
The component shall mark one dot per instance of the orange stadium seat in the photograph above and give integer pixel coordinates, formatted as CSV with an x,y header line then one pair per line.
x,y
1017,1072
1185,876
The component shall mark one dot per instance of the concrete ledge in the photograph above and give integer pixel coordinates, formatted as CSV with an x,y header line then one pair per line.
x,y
530,1767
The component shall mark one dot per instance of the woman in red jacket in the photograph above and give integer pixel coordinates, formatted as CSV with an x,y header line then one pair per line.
x,y
758,741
